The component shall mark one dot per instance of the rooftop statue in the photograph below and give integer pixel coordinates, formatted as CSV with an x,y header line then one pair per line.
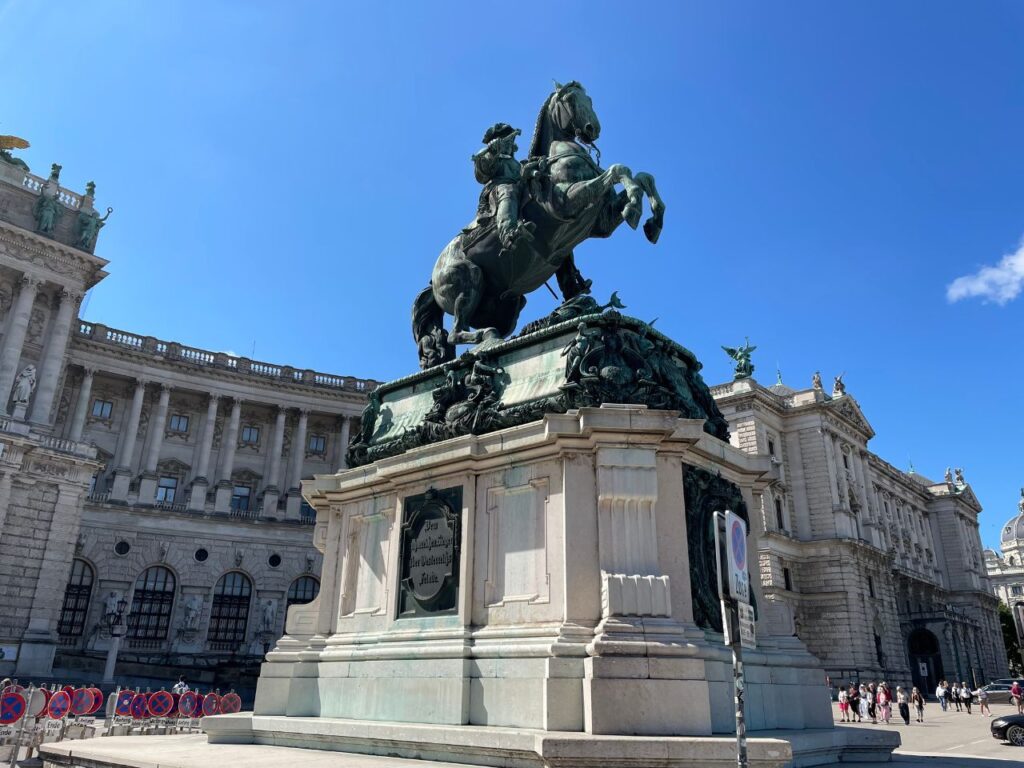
x,y
744,368
7,143
530,217
48,209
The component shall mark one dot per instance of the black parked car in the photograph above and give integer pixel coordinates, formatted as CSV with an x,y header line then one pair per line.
x,y
1009,728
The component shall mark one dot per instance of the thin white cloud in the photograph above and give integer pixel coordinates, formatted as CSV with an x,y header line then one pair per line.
x,y
1000,284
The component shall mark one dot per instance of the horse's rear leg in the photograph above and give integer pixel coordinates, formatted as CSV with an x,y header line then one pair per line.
x,y
459,291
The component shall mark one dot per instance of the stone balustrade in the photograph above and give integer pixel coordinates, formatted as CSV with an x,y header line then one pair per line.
x,y
34,184
173,351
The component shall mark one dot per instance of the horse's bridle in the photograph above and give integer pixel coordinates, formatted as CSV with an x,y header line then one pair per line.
x,y
564,117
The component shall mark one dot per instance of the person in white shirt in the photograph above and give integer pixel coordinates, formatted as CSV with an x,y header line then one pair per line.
x,y
940,694
181,686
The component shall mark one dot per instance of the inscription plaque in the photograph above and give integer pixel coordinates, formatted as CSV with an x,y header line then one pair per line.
x,y
429,576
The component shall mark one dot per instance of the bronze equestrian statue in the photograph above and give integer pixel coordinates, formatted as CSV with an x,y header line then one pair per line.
x,y
530,218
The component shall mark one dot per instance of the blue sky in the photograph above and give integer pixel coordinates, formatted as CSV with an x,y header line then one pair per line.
x,y
283,176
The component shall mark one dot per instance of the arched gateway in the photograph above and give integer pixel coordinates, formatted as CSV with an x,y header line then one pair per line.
x,y
925,660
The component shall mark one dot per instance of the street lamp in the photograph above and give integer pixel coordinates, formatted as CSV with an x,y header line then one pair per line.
x,y
117,627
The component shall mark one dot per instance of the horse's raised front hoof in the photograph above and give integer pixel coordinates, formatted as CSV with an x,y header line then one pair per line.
x,y
631,215
652,229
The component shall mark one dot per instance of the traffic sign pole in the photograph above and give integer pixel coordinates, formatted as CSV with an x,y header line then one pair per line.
x,y
21,731
733,588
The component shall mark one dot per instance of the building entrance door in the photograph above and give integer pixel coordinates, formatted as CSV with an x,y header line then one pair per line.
x,y
925,660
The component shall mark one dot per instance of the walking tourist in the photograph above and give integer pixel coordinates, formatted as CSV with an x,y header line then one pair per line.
x,y
966,696
181,686
982,695
949,693
844,705
1017,696
954,692
884,703
872,703
854,693
940,694
903,702
863,709
918,701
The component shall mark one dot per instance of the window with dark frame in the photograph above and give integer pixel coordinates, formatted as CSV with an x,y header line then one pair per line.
x,y
303,590
166,488
77,594
771,447
317,444
787,579
178,423
846,460
779,520
101,409
240,498
152,602
250,435
229,613
871,586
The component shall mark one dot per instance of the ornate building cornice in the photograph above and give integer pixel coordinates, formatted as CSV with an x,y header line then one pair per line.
x,y
43,253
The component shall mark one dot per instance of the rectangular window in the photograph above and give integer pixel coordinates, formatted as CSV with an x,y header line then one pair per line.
x,y
771,447
101,409
166,489
779,521
846,461
787,577
240,498
1016,590
250,435
871,586
317,444
179,423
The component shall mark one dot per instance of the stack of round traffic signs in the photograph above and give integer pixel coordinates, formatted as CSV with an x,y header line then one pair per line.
x,y
82,701
123,707
12,707
211,705
188,704
37,702
59,705
140,706
97,701
160,703
13,688
230,703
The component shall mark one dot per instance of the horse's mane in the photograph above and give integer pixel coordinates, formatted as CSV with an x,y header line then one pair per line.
x,y
542,133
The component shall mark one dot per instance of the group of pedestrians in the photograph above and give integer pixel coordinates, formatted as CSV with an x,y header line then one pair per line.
x,y
874,702
961,696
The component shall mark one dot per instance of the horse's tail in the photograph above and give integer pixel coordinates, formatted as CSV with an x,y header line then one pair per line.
x,y
428,320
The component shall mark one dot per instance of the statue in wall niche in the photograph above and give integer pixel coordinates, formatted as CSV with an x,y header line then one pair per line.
x,y
110,603
268,617
48,210
24,385
193,607
744,368
90,222
530,217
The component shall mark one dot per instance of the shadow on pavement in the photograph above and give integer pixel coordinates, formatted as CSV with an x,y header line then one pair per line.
x,y
957,761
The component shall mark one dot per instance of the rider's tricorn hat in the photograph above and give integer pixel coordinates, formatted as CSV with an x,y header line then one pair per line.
x,y
500,131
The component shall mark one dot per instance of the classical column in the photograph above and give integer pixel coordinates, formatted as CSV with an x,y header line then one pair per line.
x,y
10,356
294,503
147,487
82,406
343,439
5,497
123,473
272,493
53,357
228,446
197,494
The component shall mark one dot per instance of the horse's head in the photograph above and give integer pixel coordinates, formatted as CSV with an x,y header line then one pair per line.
x,y
573,112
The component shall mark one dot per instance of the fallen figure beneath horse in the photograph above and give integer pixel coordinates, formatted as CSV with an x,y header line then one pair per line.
x,y
530,217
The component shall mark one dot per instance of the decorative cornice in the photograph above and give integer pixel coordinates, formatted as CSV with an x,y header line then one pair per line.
x,y
29,248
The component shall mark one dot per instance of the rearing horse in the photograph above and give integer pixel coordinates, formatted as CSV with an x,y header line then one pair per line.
x,y
568,198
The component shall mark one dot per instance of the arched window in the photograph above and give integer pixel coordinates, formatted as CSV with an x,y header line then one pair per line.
x,y
229,613
152,602
76,600
303,590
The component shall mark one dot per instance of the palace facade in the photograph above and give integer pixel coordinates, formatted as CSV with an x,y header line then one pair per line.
x,y
1006,573
879,571
143,471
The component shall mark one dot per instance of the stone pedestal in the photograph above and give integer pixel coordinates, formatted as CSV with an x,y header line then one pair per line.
x,y
538,578
197,495
147,487
222,502
122,482
293,505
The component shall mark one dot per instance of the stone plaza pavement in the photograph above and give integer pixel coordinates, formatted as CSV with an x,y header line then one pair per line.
x,y
951,740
